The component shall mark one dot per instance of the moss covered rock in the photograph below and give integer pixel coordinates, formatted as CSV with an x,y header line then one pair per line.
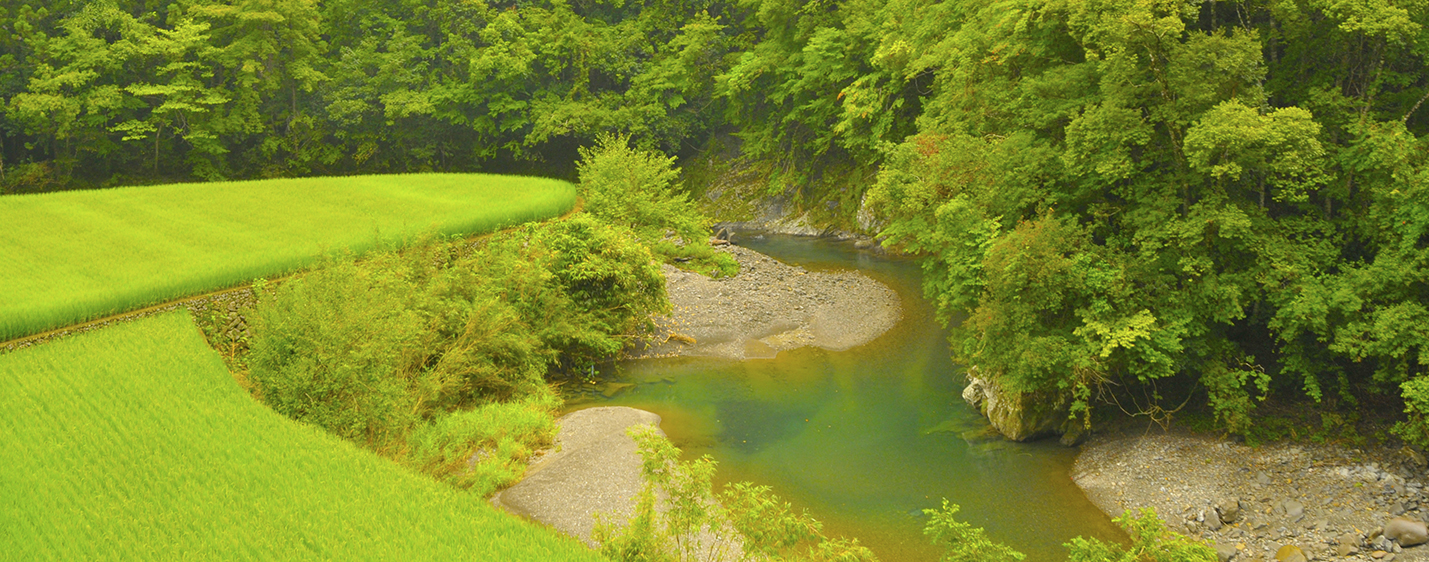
x,y
1017,415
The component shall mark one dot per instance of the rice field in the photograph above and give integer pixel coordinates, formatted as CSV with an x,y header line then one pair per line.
x,y
134,442
73,256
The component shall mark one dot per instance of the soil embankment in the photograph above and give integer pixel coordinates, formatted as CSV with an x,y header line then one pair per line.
x,y
1330,501
770,307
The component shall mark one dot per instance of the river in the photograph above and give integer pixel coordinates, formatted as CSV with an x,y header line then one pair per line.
x,y
864,439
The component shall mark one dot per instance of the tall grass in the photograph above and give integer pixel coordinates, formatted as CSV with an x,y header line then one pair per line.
x,y
73,256
134,442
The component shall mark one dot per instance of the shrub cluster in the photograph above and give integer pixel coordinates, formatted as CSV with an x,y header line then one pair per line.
x,y
437,355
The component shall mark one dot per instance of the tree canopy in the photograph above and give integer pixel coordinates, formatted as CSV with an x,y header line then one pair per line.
x,y
1227,194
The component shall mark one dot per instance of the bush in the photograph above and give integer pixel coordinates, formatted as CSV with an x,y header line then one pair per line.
x,y
1150,542
638,190
430,356
486,448
962,541
694,523
584,287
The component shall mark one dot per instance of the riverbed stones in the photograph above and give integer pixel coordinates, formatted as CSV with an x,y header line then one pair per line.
x,y
1290,553
1406,532
767,308
1229,510
1225,552
594,469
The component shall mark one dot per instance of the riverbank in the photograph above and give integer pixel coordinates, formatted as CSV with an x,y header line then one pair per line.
x,y
769,307
1332,502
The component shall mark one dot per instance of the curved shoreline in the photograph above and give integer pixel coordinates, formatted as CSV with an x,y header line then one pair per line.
x,y
769,307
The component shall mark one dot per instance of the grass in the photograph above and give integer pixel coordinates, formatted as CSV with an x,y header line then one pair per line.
x,y
134,442
79,255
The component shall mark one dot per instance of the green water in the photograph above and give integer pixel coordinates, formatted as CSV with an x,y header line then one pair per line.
x,y
866,438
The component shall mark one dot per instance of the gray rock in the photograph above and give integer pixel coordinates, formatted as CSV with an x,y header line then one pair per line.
x,y
1229,510
1406,532
1294,510
1262,479
1225,552
1396,508
1017,415
1344,550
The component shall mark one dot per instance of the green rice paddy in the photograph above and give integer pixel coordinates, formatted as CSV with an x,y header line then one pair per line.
x,y
134,442
75,256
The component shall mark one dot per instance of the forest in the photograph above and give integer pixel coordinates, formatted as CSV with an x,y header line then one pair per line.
x,y
1120,196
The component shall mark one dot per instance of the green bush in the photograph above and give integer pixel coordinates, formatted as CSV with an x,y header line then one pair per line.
x,y
1151,541
695,523
582,286
438,353
486,448
962,541
638,189
343,348
1415,429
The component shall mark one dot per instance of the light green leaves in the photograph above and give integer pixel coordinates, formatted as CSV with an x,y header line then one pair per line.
x,y
1234,143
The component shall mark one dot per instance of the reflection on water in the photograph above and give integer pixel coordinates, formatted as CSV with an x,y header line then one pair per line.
x,y
865,439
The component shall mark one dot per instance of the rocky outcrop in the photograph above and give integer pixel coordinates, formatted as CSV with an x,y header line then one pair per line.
x,y
1019,416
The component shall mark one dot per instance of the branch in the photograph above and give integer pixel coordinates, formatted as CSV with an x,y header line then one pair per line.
x,y
1405,119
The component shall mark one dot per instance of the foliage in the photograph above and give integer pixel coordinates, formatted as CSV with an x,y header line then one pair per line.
x,y
1150,542
436,355
179,461
584,287
1229,197
637,189
964,543
678,516
486,448
75,256
1118,194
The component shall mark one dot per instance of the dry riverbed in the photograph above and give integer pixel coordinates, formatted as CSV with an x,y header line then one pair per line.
x,y
1331,502
767,308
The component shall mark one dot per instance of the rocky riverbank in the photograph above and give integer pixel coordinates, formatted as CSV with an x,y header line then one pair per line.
x,y
769,307
1328,502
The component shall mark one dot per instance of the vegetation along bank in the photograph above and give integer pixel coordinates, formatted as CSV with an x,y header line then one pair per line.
x,y
1144,204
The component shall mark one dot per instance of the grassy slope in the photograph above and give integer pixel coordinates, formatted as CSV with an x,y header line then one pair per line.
x,y
134,442
74,256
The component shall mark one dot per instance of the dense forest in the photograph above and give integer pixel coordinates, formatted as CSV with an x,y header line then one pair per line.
x,y
1229,195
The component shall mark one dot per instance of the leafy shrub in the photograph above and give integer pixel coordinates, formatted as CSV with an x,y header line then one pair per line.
x,y
418,353
583,287
486,448
638,189
1415,429
964,542
691,522
343,348
1151,541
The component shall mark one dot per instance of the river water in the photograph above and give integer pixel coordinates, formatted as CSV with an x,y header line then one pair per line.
x,y
864,439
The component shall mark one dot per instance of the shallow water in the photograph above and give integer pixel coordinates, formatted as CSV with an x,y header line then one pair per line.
x,y
865,439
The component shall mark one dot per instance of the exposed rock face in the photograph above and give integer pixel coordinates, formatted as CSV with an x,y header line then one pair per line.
x,y
1019,416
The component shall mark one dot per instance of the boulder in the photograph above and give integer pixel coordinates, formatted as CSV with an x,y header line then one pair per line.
x,y
1229,510
1017,415
1225,552
1290,553
1406,532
